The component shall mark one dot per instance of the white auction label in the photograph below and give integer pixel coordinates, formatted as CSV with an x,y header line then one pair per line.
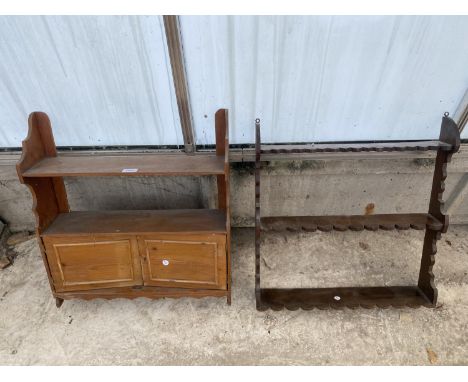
x,y
130,170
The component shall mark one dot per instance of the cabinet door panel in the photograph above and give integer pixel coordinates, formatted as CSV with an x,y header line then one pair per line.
x,y
195,261
80,263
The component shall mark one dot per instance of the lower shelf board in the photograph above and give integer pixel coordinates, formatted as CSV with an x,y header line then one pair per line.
x,y
146,291
337,298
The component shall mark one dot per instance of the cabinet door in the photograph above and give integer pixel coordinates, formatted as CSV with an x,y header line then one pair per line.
x,y
184,261
93,262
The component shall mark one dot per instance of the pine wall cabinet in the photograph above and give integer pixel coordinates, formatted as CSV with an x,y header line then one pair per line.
x,y
115,254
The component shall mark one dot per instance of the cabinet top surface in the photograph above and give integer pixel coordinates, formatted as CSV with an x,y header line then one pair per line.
x,y
138,222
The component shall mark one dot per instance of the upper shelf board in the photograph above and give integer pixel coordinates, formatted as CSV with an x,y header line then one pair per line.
x,y
147,164
356,147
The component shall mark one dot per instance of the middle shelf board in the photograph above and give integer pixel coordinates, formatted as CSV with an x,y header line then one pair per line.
x,y
128,165
351,222
138,222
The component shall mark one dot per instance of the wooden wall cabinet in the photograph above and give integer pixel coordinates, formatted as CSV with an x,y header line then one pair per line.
x,y
143,253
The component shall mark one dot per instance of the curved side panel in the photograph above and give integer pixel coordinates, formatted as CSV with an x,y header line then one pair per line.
x,y
450,133
48,194
45,206
38,144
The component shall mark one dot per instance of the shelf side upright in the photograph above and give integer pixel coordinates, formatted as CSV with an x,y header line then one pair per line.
x,y
222,181
450,134
48,193
257,214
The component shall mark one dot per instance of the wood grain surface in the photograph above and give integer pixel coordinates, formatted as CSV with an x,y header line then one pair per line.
x,y
138,222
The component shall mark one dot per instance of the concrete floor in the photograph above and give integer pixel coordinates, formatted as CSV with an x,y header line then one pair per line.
x,y
208,332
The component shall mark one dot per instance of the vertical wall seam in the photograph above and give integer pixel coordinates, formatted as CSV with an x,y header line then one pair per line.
x,y
179,75
461,114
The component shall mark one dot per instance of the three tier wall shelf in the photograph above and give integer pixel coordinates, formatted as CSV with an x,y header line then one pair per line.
x,y
434,222
129,254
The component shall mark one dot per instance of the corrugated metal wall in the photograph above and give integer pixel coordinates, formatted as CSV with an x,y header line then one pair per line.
x,y
319,78
103,80
107,80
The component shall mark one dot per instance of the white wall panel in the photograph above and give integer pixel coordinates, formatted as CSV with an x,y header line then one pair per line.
x,y
102,80
321,78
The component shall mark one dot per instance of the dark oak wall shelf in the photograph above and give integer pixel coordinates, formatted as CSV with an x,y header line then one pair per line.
x,y
434,223
115,254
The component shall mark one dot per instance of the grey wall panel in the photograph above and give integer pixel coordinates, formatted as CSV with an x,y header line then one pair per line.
x,y
341,186
319,78
103,80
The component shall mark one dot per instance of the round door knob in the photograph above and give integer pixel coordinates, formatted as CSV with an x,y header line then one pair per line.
x,y
165,263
